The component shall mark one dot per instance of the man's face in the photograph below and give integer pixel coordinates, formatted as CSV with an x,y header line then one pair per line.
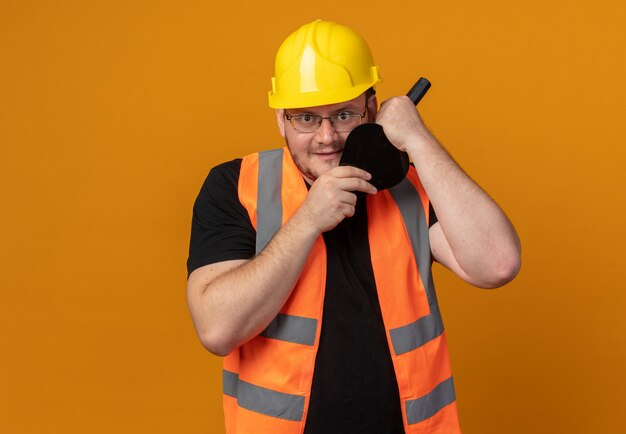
x,y
316,153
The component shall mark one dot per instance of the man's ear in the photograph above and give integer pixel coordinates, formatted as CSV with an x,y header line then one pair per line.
x,y
280,120
372,108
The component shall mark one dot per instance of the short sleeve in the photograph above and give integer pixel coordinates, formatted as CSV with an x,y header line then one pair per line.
x,y
220,229
432,218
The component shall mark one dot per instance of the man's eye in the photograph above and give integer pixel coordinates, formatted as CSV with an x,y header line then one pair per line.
x,y
307,119
343,116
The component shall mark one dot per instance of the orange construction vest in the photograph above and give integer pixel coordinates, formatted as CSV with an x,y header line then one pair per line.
x,y
267,381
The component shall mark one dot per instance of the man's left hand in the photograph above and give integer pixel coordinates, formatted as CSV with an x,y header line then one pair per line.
x,y
402,122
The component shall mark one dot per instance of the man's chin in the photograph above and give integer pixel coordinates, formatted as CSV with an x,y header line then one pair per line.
x,y
315,171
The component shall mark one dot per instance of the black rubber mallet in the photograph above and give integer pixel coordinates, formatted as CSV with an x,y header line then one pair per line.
x,y
368,148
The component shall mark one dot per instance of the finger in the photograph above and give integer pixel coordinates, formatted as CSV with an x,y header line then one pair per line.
x,y
347,198
349,210
349,172
356,184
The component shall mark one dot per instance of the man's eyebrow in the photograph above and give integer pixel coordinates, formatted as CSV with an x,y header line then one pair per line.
x,y
346,109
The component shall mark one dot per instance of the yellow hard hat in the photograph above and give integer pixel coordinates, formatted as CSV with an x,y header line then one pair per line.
x,y
321,63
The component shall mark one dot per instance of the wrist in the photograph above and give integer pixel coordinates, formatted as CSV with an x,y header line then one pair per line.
x,y
419,143
304,224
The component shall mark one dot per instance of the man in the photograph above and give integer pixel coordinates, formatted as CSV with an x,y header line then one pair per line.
x,y
317,288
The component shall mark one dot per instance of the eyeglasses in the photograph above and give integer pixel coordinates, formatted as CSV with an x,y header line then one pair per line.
x,y
342,122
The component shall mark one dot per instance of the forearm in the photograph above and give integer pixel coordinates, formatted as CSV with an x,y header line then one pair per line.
x,y
480,236
239,303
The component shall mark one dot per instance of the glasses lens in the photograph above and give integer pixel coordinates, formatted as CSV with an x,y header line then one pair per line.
x,y
306,123
345,122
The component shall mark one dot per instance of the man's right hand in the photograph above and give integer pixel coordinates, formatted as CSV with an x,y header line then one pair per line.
x,y
233,301
332,197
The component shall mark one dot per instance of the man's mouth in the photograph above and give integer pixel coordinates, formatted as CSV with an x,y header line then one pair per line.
x,y
329,155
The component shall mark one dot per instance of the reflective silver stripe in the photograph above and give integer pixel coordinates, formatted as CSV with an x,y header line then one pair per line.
x,y
269,204
262,400
428,405
229,383
291,328
288,328
410,205
416,334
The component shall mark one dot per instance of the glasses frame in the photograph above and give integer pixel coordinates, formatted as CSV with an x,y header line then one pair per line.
x,y
321,119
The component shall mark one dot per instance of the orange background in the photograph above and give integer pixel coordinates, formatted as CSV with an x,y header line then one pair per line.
x,y
112,113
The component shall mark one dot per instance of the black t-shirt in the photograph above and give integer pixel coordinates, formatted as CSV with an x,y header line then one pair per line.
x,y
354,385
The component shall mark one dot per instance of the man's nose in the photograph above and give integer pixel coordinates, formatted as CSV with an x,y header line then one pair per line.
x,y
326,132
